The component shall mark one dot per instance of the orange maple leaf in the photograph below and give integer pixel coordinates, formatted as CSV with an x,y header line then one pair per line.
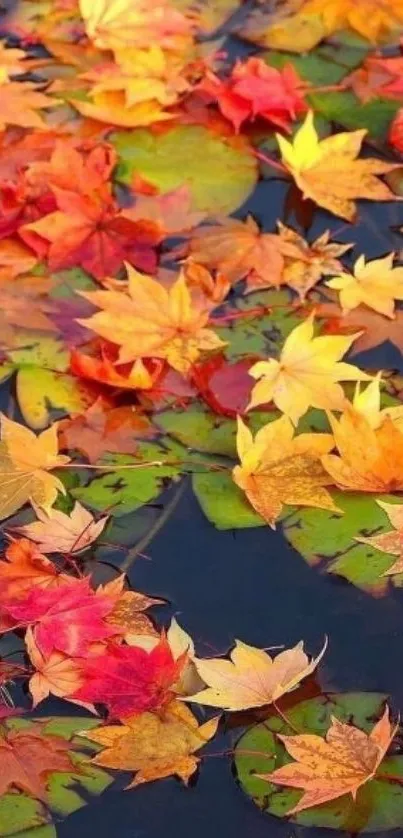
x,y
20,102
370,459
339,764
152,321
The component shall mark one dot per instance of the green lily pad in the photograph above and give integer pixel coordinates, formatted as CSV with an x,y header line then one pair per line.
x,y
220,171
326,539
123,490
200,429
42,382
25,817
379,803
223,503
261,335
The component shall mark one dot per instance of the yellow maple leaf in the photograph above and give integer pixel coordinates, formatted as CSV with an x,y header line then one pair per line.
x,y
338,764
278,468
154,746
392,541
116,24
25,462
373,19
307,373
368,403
328,172
376,284
252,678
152,321
370,459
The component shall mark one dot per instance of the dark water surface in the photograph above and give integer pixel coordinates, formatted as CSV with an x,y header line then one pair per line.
x,y
251,585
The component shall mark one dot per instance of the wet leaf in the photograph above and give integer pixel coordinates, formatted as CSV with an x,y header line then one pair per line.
x,y
61,533
154,746
379,803
220,172
376,284
328,172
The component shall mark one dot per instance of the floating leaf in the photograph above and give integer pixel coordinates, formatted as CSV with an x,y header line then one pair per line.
x,y
379,803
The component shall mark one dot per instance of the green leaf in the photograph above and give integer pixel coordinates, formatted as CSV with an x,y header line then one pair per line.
x,y
200,430
326,539
326,65
124,490
261,335
344,108
25,817
223,503
221,172
42,383
379,803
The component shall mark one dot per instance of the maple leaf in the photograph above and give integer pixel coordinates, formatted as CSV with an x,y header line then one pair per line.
x,y
338,764
368,403
20,102
252,678
25,462
278,468
370,460
24,302
170,211
328,172
58,675
13,62
239,249
116,24
256,90
104,429
28,758
15,259
305,263
376,284
61,533
103,367
225,387
392,541
82,170
154,746
130,680
150,320
306,374
198,278
128,615
377,77
371,19
25,567
90,231
66,619
374,327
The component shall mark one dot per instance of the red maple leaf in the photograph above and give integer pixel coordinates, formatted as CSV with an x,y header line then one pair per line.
x,y
93,232
255,90
67,619
225,387
129,680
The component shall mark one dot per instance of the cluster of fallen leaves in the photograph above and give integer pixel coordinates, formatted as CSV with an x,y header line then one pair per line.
x,y
120,282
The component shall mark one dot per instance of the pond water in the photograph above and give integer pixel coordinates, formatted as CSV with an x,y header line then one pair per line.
x,y
221,585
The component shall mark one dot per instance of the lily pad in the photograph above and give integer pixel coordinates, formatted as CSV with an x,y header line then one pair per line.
x,y
41,379
327,540
25,817
379,803
259,334
220,171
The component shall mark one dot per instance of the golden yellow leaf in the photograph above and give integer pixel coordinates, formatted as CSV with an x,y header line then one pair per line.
x,y
252,678
152,321
368,403
278,468
370,460
154,746
373,19
328,172
116,24
339,764
376,284
25,463
306,374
